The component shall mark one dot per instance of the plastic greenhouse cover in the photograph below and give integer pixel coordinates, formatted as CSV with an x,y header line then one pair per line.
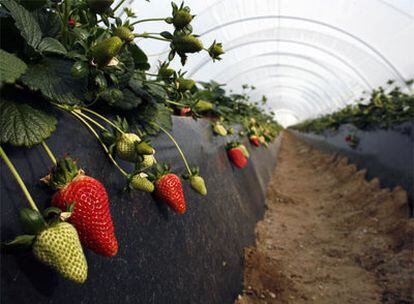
x,y
329,50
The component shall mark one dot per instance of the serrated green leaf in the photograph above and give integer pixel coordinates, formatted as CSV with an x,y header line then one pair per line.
x,y
150,113
129,100
22,125
51,45
11,67
23,241
140,58
49,22
25,22
52,76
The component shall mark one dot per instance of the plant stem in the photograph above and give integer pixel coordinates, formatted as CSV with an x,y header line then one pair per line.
x,y
90,119
74,113
152,37
176,145
65,22
49,153
147,20
118,6
103,118
18,179
175,103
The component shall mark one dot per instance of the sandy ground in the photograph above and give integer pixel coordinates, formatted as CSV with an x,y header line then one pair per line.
x,y
329,236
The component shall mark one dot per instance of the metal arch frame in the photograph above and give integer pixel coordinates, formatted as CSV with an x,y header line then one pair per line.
x,y
280,103
300,79
330,26
353,68
271,86
341,102
323,66
289,111
304,107
310,59
303,90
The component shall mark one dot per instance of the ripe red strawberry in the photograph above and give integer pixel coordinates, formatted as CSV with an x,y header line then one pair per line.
x,y
185,111
169,190
348,138
91,215
72,23
254,140
237,157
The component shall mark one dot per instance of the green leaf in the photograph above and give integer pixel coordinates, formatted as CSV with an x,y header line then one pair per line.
x,y
24,241
51,45
11,67
140,58
25,22
49,22
52,76
150,113
22,125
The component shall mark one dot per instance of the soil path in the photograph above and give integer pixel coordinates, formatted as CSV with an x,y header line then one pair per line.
x,y
329,236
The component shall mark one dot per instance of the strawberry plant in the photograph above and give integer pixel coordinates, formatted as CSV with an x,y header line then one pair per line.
x,y
382,108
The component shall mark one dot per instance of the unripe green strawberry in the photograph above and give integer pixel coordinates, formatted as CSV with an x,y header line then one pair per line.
x,y
147,162
244,150
216,50
198,184
185,84
203,106
187,44
219,129
126,147
182,18
100,6
105,50
59,247
141,182
124,33
145,148
231,131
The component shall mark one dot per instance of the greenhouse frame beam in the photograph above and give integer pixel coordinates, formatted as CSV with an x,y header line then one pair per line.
x,y
332,54
327,25
300,79
306,91
305,100
341,102
323,66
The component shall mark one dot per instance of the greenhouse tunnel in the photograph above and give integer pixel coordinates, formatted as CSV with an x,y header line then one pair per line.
x,y
215,151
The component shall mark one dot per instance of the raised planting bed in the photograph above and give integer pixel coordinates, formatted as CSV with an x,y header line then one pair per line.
x,y
163,257
386,153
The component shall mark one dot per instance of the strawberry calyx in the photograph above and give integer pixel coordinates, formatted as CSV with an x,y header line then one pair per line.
x,y
33,223
63,173
232,145
216,50
159,171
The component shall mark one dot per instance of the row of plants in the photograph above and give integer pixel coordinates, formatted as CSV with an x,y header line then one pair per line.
x,y
382,108
78,57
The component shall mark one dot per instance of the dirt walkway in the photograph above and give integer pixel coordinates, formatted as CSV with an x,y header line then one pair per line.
x,y
329,236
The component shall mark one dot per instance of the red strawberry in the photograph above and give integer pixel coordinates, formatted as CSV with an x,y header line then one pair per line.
x,y
185,111
72,23
169,190
237,157
254,140
91,215
348,138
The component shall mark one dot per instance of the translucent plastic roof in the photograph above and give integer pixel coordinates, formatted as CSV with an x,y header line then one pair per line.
x,y
307,57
